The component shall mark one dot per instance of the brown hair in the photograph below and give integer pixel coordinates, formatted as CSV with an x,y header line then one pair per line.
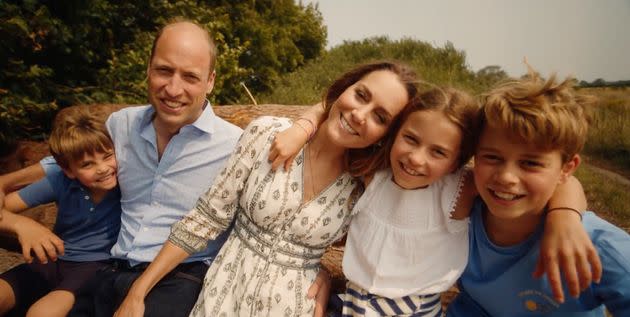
x,y
80,132
543,112
360,162
177,20
459,108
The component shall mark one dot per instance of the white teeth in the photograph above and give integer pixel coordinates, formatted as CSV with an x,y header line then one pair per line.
x,y
105,178
347,126
505,196
172,104
410,171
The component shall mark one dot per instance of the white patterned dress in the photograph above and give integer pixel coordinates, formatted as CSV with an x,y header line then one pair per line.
x,y
272,254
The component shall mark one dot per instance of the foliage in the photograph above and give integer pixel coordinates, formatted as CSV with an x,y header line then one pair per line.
x,y
600,82
59,53
438,65
609,133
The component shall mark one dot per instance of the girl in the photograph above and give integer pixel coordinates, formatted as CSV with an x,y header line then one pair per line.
x,y
417,242
283,221
408,240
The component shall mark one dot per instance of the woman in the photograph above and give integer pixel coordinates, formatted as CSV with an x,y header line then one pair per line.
x,y
284,220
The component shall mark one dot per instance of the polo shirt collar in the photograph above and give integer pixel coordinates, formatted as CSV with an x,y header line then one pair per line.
x,y
74,183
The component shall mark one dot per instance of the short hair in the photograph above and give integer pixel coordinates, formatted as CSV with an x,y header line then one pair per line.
x,y
211,45
79,132
359,162
550,115
459,107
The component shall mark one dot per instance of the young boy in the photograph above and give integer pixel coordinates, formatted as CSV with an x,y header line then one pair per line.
x,y
532,132
84,186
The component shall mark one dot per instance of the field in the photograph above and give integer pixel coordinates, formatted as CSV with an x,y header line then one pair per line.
x,y
608,148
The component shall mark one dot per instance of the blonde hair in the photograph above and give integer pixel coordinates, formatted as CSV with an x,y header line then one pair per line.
x,y
542,112
80,132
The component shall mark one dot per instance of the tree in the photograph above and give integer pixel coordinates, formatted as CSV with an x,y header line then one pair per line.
x,y
59,53
491,75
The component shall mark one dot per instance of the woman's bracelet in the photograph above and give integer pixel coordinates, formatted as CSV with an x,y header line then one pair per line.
x,y
308,135
313,127
566,208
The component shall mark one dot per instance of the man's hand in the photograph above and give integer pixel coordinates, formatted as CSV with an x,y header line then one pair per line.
x,y
320,290
566,246
15,180
35,237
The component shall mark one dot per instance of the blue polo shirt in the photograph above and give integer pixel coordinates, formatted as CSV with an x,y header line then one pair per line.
x,y
156,193
88,230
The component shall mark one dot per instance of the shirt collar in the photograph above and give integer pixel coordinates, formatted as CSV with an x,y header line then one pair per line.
x,y
204,123
74,183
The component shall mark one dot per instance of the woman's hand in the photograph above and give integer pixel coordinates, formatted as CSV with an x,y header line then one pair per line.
x,y
286,145
132,306
320,290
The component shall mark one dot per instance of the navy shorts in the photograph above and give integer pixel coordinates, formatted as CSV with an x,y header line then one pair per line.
x,y
30,282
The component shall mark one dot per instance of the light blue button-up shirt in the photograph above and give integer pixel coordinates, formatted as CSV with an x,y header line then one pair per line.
x,y
157,193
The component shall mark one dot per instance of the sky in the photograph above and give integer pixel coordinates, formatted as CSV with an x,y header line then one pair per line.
x,y
588,39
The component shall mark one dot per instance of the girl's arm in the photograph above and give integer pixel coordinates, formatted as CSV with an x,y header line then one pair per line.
x,y
288,143
167,259
566,246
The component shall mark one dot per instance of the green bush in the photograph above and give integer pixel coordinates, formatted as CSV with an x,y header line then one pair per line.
x,y
59,53
438,65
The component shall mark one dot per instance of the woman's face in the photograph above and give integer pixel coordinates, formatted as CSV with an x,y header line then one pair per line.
x,y
364,111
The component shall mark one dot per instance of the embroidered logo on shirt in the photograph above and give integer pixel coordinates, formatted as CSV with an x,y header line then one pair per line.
x,y
536,301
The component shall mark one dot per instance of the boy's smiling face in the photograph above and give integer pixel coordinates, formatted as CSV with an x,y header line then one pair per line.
x,y
514,178
95,171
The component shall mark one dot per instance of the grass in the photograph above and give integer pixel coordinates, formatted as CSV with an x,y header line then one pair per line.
x,y
606,197
609,135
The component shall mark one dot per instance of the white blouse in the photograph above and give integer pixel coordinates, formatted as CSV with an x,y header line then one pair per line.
x,y
403,242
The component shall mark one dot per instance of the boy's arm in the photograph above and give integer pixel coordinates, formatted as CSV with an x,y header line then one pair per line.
x,y
466,197
287,144
32,235
566,246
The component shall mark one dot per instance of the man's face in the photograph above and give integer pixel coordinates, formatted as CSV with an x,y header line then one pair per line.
x,y
515,178
179,76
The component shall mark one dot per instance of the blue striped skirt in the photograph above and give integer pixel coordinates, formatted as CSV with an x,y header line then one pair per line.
x,y
357,301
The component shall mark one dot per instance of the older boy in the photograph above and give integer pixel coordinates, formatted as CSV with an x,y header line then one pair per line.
x,y
84,186
532,132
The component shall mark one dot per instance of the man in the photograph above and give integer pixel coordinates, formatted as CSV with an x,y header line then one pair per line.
x,y
169,152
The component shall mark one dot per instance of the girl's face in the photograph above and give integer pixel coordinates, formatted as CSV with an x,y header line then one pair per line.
x,y
426,148
364,111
